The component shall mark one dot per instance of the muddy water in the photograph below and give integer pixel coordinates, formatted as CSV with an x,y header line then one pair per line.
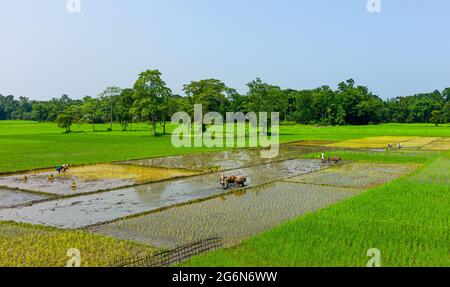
x,y
96,208
10,198
232,217
61,184
224,160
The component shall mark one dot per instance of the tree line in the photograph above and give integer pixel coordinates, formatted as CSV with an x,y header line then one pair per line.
x,y
151,100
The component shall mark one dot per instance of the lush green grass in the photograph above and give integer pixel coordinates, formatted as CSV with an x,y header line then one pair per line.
x,y
27,145
341,133
407,220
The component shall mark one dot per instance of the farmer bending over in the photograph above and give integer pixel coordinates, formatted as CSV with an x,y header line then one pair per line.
x,y
62,168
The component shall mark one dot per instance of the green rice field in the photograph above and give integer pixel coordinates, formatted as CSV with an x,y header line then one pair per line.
x,y
397,201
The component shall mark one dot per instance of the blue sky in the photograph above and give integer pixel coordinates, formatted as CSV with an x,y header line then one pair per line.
x,y
46,51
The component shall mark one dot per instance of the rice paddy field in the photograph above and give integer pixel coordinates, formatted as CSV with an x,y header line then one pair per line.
x,y
426,143
89,179
222,161
11,198
232,217
84,210
355,175
129,194
407,220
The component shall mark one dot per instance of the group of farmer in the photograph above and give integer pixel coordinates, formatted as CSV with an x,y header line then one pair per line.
x,y
62,168
329,159
391,146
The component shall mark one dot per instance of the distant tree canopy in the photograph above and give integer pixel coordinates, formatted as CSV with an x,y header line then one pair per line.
x,y
151,100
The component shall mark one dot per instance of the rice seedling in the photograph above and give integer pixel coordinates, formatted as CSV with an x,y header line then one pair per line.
x,y
226,160
139,174
395,156
356,175
33,246
91,178
231,217
442,144
419,142
372,142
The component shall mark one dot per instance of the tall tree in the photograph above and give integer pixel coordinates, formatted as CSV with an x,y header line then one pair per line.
x,y
91,112
212,94
123,108
108,99
150,92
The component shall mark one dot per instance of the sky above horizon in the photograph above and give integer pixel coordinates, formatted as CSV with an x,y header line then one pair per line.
x,y
45,51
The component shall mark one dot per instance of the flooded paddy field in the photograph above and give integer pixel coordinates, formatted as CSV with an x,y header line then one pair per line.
x,y
425,143
225,160
85,210
441,144
10,198
356,175
87,179
232,217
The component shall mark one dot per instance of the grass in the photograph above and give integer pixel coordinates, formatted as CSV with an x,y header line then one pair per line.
x,y
35,246
407,220
28,145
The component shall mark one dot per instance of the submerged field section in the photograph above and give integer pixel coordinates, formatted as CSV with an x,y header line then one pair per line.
x,y
243,214
84,210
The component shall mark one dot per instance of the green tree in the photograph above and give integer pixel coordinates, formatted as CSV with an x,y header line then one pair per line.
x,y
436,117
446,113
123,108
212,94
108,99
150,92
64,121
91,112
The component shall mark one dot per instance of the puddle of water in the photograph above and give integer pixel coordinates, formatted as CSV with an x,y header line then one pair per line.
x,y
232,217
222,160
10,198
356,175
91,209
